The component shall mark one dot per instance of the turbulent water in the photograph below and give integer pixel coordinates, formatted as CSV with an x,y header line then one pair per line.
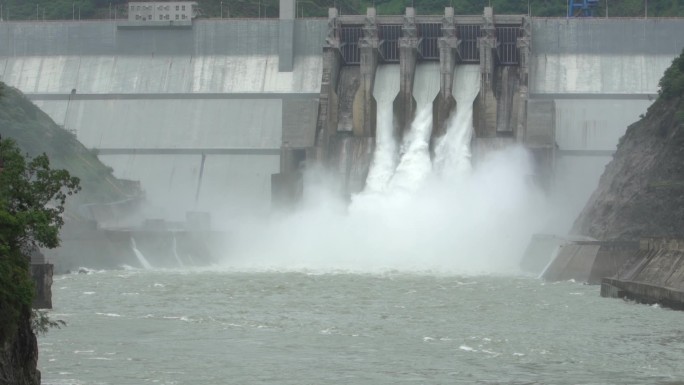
x,y
413,282
165,327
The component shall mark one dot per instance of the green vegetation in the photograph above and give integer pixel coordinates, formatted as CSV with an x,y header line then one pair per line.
x,y
104,9
672,82
35,133
41,322
32,198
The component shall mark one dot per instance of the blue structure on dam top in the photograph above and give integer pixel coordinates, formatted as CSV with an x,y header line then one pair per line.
x,y
582,8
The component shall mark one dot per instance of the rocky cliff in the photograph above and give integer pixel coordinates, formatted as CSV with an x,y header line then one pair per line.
x,y
641,192
19,355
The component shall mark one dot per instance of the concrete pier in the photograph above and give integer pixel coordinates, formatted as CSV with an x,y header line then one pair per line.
x,y
445,104
363,42
42,279
405,104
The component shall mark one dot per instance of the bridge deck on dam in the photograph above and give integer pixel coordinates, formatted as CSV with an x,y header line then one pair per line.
x,y
172,106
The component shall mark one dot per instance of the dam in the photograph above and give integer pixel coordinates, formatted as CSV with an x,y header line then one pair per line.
x,y
219,115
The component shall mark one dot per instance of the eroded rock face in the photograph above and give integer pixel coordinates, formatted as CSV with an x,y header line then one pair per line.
x,y
641,192
19,356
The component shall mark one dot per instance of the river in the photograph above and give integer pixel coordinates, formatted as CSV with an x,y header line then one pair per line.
x,y
269,327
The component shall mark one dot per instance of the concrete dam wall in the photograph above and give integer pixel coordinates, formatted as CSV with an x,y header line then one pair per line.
x,y
598,75
200,115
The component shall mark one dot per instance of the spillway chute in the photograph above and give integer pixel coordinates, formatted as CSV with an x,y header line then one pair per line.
x,y
415,164
452,152
384,161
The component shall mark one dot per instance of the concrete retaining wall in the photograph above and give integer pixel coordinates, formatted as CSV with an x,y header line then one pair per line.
x,y
656,274
590,261
42,279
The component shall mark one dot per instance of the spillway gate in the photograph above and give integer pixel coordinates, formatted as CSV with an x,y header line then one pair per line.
x,y
357,44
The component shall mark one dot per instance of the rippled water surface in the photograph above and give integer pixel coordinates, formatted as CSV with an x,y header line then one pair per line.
x,y
165,327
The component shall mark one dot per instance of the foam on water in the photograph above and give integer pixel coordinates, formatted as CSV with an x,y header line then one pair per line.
x,y
356,327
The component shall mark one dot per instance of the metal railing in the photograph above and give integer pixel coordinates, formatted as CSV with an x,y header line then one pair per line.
x,y
507,51
469,51
429,34
389,42
349,36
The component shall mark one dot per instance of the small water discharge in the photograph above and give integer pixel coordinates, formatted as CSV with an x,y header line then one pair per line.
x,y
385,160
139,255
418,217
174,249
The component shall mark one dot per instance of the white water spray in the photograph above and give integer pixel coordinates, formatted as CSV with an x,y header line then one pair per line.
x,y
174,249
384,162
415,164
452,152
139,255
423,221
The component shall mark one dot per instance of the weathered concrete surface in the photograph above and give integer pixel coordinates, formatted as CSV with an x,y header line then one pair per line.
x,y
540,252
405,104
573,261
42,279
589,261
445,103
656,275
166,106
349,117
351,161
600,82
164,244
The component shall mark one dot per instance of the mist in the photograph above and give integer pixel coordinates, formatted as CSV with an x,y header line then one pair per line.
x,y
416,215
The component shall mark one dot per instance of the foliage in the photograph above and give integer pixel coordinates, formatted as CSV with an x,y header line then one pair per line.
x,y
16,290
41,322
672,82
32,198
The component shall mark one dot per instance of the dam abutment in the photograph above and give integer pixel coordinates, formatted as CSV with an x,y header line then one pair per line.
x,y
445,104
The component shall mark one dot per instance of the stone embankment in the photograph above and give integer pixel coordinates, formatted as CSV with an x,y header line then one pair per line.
x,y
656,275
640,198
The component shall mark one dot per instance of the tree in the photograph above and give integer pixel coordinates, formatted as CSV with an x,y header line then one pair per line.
x,y
32,199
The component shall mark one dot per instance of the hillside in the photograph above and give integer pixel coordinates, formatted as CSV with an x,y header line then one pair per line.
x,y
105,9
641,192
36,133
